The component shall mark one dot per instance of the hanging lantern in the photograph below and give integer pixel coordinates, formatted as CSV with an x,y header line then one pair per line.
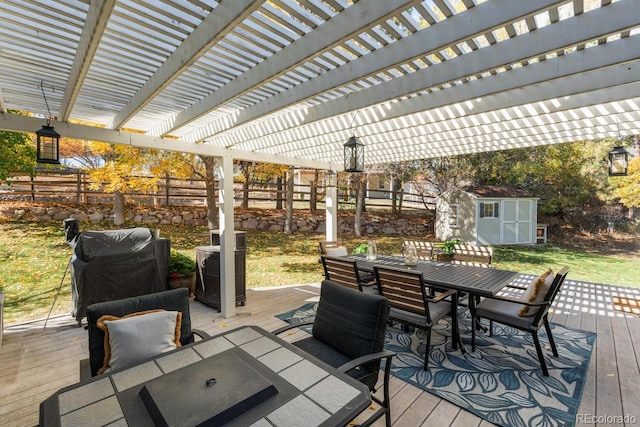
x,y
618,161
330,179
47,145
353,155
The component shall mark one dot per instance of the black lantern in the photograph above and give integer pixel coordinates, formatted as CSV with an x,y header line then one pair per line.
x,y
353,155
47,145
330,179
618,161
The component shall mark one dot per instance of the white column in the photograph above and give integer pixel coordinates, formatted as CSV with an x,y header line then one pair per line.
x,y
332,213
227,240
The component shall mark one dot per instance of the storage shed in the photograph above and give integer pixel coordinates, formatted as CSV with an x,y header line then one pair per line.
x,y
487,215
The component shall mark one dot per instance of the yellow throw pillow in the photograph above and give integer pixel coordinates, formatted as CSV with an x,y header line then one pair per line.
x,y
138,336
536,291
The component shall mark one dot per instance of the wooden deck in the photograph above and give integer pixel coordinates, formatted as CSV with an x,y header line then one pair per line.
x,y
34,363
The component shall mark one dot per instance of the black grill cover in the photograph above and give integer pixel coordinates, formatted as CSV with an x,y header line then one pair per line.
x,y
116,264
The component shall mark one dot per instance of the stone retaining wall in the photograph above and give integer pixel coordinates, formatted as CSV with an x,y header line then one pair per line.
x,y
245,219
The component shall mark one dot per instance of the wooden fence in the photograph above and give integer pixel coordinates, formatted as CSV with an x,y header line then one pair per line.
x,y
73,186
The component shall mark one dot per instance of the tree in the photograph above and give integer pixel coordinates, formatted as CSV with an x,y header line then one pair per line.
x,y
566,177
628,187
257,173
17,154
399,174
125,169
436,176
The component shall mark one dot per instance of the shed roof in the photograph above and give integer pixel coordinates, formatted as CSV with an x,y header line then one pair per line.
x,y
492,191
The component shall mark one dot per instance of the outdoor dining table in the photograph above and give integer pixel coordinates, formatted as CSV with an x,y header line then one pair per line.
x,y
475,281
246,376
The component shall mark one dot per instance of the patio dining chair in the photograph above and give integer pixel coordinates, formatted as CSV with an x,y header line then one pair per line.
x,y
345,272
171,300
475,255
349,333
528,313
414,302
424,250
332,247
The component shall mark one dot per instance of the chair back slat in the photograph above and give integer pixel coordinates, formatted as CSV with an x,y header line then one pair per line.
x,y
424,250
404,289
476,255
342,271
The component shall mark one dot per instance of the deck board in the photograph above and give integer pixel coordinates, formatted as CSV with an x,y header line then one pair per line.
x,y
36,363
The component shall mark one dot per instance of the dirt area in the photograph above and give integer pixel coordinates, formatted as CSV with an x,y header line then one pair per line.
x,y
619,243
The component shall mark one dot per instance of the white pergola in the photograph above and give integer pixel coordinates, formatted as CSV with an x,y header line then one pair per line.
x,y
289,81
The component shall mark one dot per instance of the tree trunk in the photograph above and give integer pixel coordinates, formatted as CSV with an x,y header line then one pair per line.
x,y
288,222
394,196
118,208
210,186
361,183
279,193
245,194
313,193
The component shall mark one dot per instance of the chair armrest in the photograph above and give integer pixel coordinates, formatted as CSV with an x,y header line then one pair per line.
x,y
202,334
442,296
366,359
291,326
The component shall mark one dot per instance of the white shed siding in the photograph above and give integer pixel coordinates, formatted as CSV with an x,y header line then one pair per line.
x,y
515,222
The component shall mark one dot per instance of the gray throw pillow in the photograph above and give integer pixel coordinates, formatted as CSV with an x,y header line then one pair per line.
x,y
138,336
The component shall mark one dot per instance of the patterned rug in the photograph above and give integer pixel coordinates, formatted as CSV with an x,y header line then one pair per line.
x,y
501,381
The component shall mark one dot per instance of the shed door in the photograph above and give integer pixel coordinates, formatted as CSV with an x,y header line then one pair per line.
x,y
516,221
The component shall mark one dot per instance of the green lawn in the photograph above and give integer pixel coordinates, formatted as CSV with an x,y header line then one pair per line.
x,y
34,256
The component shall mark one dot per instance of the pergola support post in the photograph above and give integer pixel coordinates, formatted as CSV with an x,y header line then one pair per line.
x,y
331,213
227,239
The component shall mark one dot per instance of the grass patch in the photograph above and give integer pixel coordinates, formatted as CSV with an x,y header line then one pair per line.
x,y
34,256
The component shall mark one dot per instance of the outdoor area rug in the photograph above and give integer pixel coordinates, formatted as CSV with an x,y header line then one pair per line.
x,y
501,381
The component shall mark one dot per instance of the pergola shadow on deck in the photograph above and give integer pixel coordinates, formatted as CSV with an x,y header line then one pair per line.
x,y
34,363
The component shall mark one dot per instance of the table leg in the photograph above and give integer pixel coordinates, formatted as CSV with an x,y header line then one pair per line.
x,y
472,310
455,333
475,321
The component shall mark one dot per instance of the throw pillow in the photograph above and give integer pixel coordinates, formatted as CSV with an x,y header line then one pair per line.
x,y
138,336
536,291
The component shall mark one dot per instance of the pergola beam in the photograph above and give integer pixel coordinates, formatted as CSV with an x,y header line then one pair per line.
x,y
535,83
20,123
212,29
92,31
336,30
485,17
602,56
548,39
